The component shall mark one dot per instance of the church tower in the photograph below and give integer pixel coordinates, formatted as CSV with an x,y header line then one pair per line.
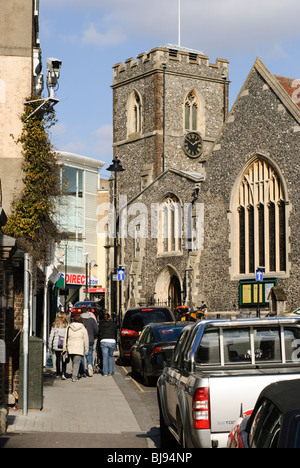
x,y
168,107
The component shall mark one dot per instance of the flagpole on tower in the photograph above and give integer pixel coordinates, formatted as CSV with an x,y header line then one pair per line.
x,y
179,23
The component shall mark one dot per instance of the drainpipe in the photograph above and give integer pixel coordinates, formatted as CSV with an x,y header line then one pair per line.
x,y
164,116
45,322
26,334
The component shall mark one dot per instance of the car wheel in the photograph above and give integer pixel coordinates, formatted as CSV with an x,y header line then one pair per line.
x,y
133,369
167,441
121,359
181,434
145,376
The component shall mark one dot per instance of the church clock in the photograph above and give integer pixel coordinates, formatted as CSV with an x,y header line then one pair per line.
x,y
192,144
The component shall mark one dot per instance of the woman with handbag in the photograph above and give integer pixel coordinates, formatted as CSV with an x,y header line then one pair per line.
x,y
56,342
76,344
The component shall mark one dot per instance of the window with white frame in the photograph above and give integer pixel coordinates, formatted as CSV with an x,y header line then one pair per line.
x,y
170,225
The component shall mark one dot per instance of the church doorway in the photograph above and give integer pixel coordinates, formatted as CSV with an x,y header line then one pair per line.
x,y
175,293
168,288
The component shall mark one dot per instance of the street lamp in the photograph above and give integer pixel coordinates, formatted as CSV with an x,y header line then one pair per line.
x,y
90,272
115,167
86,255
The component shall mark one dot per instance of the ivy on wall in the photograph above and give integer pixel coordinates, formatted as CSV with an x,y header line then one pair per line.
x,y
32,212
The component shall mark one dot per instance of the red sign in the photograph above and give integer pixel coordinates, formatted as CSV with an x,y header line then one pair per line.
x,y
96,290
80,279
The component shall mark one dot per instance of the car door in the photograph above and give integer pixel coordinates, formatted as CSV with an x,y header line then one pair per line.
x,y
173,375
141,348
135,352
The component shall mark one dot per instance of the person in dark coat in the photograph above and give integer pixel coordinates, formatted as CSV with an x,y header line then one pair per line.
x,y
90,323
108,340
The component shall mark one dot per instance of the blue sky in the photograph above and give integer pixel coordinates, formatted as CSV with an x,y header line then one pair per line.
x,y
90,36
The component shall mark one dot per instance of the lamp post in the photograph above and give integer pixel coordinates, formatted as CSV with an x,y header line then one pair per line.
x,y
115,167
86,255
90,272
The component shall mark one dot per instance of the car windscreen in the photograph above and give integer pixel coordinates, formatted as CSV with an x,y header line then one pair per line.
x,y
167,333
137,319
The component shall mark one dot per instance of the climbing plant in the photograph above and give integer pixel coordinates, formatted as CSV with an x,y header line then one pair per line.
x,y
31,220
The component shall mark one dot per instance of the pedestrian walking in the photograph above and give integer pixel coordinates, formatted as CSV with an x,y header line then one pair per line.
x,y
76,343
107,337
91,325
56,342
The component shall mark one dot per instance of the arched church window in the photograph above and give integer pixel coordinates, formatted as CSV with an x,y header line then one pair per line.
x,y
191,111
261,214
170,225
134,114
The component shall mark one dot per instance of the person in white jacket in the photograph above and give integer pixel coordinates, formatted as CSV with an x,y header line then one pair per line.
x,y
77,343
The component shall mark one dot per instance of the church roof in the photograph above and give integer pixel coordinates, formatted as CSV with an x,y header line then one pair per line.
x,y
194,177
277,86
291,86
281,86
182,49
197,176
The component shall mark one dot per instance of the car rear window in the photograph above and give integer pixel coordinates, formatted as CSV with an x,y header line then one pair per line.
x,y
167,333
137,319
252,345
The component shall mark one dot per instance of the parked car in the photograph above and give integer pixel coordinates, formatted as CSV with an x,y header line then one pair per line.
x,y
295,312
81,306
133,323
217,366
275,420
154,348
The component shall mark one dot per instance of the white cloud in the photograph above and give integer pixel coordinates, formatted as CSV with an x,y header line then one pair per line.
x,y
59,129
92,36
104,140
205,24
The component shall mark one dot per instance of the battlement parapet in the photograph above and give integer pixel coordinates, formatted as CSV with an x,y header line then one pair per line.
x,y
175,59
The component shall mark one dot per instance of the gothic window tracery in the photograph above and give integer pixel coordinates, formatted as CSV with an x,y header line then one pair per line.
x,y
191,111
170,225
134,114
261,219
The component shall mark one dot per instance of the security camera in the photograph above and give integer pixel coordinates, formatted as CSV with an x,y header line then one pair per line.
x,y
53,71
54,64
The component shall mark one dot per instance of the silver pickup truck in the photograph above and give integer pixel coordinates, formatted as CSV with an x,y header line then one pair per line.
x,y
218,369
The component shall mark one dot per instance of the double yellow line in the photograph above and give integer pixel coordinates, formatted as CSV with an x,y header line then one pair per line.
x,y
134,381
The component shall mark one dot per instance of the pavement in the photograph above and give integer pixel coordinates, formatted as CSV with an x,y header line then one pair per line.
x,y
90,413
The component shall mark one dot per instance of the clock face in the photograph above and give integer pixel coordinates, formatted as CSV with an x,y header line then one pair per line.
x,y
192,144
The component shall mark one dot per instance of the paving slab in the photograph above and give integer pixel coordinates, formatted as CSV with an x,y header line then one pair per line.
x,y
90,411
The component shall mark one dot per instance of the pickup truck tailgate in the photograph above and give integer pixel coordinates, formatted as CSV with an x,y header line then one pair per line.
x,y
227,393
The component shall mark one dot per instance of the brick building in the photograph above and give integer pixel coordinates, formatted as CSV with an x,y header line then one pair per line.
x,y
205,197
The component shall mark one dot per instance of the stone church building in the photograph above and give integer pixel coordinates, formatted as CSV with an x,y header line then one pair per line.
x,y
206,196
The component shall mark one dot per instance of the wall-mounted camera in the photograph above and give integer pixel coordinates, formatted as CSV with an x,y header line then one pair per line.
x,y
53,72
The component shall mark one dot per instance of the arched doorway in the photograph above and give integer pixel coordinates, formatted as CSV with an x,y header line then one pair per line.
x,y
168,288
175,293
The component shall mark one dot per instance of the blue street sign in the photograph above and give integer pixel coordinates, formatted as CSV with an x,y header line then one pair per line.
x,y
259,275
121,274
